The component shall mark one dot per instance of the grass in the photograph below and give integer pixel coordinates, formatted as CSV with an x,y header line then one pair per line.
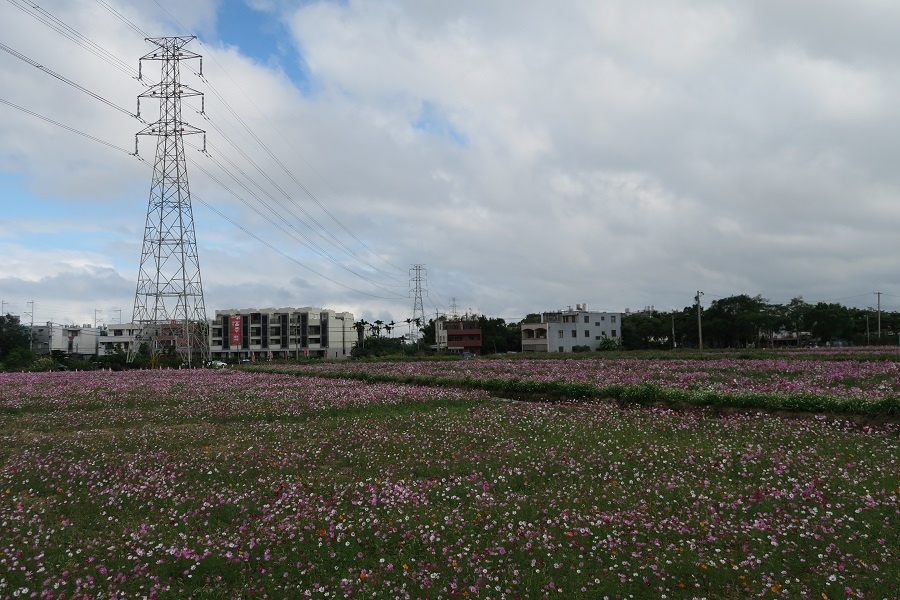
x,y
267,485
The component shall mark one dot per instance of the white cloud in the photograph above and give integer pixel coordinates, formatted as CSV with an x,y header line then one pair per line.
x,y
530,155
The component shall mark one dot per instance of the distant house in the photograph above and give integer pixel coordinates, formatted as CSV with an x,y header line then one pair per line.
x,y
563,330
74,340
459,335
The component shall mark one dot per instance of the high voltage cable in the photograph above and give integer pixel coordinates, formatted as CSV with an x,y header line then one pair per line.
x,y
330,238
68,32
58,124
73,35
324,253
275,158
216,211
282,253
308,242
123,19
269,152
293,178
281,164
52,73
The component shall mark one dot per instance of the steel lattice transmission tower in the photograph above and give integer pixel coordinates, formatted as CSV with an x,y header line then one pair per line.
x,y
168,302
417,275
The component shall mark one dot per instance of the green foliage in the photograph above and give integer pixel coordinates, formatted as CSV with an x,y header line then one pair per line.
x,y
378,346
15,352
745,322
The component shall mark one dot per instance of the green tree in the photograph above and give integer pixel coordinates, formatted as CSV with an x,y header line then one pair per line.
x,y
15,344
378,346
495,336
829,322
736,321
647,330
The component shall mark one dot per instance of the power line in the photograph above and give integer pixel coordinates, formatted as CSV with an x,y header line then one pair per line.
x,y
48,71
68,32
206,204
331,239
306,240
61,27
243,124
58,124
123,19
282,253
270,153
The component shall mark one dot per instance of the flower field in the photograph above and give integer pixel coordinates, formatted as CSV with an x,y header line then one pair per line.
x,y
865,387
232,484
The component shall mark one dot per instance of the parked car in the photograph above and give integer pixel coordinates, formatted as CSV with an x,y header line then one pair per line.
x,y
467,354
216,364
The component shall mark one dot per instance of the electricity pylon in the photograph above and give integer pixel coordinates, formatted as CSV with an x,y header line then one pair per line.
x,y
417,274
168,301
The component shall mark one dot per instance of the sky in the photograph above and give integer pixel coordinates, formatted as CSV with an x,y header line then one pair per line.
x,y
531,156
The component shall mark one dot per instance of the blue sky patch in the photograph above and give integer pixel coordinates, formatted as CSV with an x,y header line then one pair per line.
x,y
432,121
262,36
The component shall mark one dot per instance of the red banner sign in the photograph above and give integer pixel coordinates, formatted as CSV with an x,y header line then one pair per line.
x,y
235,329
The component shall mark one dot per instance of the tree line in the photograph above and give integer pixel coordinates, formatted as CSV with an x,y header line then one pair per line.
x,y
743,321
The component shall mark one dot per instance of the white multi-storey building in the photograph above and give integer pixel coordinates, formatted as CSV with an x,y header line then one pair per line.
x,y
74,340
118,337
563,330
249,333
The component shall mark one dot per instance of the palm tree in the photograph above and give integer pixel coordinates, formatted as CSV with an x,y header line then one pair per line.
x,y
376,327
360,327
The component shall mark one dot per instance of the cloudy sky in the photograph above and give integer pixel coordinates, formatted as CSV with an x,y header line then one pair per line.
x,y
531,155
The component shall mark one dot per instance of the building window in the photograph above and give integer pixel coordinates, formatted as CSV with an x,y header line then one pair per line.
x,y
560,333
612,319
612,333
574,333
561,349
602,317
587,319
597,323
587,333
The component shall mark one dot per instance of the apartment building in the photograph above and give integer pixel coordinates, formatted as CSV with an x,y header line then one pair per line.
x,y
459,335
563,330
251,333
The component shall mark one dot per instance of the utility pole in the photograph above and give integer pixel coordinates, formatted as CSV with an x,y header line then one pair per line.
x,y
879,316
119,310
673,331
3,304
437,337
699,322
31,330
417,275
168,302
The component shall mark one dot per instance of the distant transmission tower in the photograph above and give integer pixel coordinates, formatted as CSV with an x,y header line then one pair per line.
x,y
417,274
168,302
